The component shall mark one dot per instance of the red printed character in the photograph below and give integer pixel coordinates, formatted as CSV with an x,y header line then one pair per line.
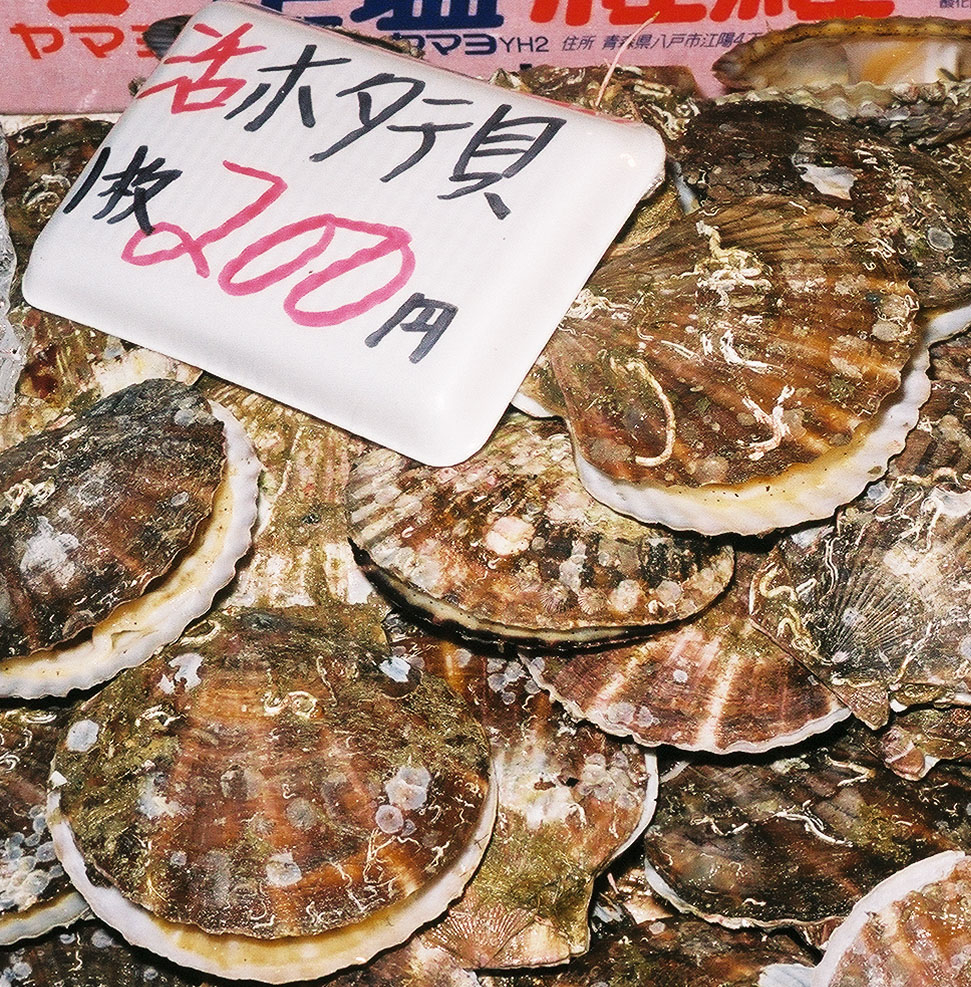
x,y
577,11
745,10
214,59
99,40
64,8
655,11
813,10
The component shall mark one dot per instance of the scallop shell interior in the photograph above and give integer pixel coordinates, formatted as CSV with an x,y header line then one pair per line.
x,y
263,801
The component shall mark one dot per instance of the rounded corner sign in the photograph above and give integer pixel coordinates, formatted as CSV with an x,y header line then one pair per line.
x,y
379,242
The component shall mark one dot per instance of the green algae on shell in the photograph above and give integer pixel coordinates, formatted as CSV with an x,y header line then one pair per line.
x,y
509,543
571,799
263,800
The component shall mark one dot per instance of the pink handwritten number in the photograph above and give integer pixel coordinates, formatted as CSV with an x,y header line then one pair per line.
x,y
391,240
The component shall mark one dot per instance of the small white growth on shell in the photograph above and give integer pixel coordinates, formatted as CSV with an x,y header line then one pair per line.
x,y
829,179
187,668
680,676
282,871
669,592
389,819
396,668
152,804
509,536
82,736
408,789
950,503
46,555
625,596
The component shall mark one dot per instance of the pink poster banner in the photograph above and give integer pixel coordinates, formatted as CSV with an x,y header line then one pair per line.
x,y
89,55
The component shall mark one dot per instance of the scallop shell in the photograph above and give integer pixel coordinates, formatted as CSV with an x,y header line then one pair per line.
x,y
35,893
913,928
902,197
262,800
795,841
738,372
570,800
897,74
153,459
714,683
66,366
301,555
877,607
509,543
89,955
915,740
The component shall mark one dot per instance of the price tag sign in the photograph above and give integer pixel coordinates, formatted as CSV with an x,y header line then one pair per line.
x,y
383,244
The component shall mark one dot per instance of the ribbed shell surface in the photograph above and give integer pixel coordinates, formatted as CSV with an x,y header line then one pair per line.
x,y
901,197
743,339
714,683
93,511
261,778
797,840
510,539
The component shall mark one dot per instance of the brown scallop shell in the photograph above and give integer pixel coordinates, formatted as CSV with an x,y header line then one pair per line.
x,y
260,779
714,683
877,606
35,893
904,76
795,841
901,197
510,543
66,367
750,344
913,928
915,740
95,510
570,800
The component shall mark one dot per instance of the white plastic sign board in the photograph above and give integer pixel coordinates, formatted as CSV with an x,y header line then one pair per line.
x,y
383,244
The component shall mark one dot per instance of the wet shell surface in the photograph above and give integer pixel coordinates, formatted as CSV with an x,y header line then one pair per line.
x,y
510,543
901,197
913,928
714,683
915,740
259,800
904,76
738,371
100,509
797,840
877,606
570,800
66,366
35,893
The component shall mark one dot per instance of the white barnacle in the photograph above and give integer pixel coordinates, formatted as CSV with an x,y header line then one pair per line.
x,y
282,870
82,736
47,556
408,788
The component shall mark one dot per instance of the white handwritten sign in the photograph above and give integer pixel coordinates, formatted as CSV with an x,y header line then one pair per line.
x,y
383,244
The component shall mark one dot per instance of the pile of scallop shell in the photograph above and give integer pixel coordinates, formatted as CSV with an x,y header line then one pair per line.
x,y
669,683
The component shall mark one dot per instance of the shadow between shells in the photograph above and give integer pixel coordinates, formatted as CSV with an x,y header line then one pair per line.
x,y
670,682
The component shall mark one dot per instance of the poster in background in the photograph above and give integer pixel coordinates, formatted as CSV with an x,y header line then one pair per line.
x,y
88,55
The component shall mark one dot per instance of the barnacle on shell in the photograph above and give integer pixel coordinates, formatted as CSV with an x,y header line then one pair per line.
x,y
35,893
149,490
509,543
751,367
714,682
264,800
